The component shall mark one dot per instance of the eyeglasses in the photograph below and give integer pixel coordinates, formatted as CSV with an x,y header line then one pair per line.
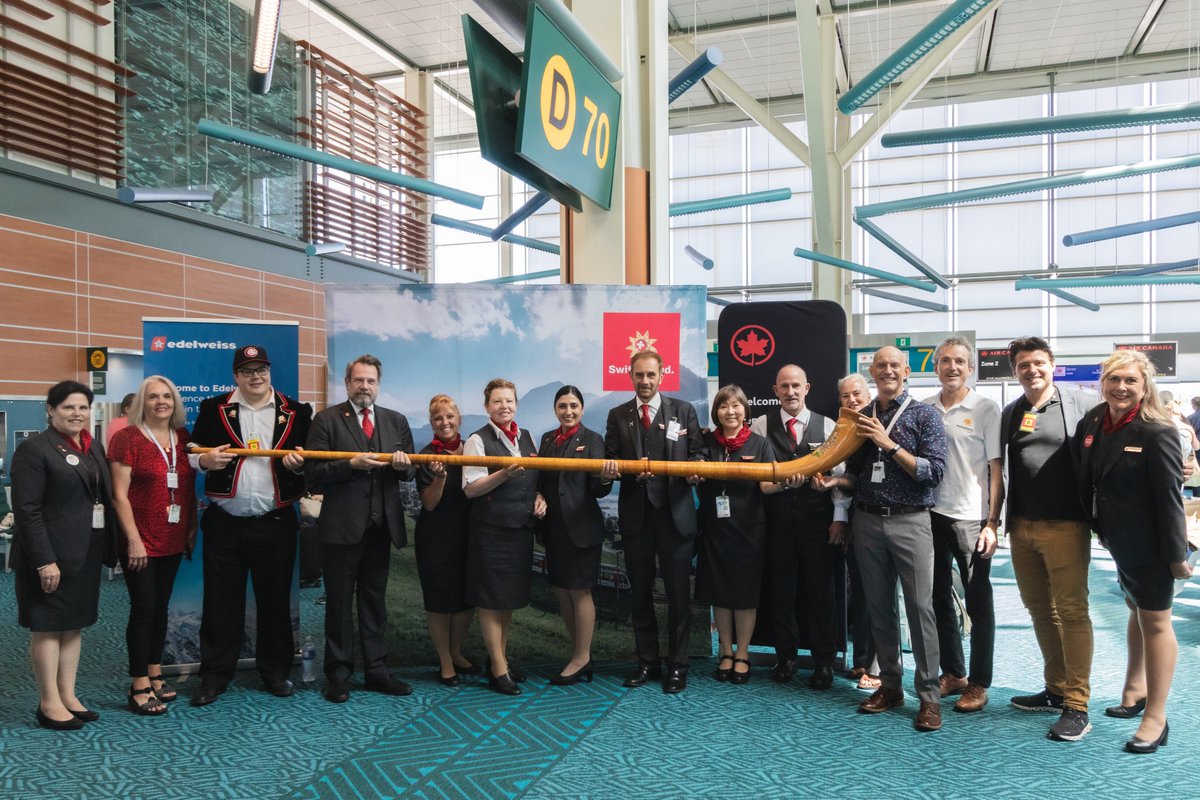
x,y
260,372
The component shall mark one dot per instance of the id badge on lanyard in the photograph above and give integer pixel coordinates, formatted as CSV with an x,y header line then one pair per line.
x,y
879,468
97,516
723,509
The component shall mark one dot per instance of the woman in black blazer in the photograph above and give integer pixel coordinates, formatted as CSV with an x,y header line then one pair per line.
x,y
574,531
1130,472
62,500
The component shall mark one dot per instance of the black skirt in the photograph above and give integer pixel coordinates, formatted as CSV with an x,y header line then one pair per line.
x,y
499,566
570,567
73,605
441,546
1151,587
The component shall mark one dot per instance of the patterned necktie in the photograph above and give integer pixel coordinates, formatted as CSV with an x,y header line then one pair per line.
x,y
792,424
368,426
646,416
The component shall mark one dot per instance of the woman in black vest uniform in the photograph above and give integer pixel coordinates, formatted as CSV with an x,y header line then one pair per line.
x,y
732,542
575,529
500,544
1130,470
62,501
442,544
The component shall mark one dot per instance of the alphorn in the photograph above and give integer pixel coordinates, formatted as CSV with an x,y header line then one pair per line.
x,y
837,448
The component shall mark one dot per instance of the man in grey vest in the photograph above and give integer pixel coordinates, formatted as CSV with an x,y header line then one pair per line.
x,y
798,534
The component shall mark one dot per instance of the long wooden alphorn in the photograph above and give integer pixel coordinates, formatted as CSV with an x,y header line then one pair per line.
x,y
837,448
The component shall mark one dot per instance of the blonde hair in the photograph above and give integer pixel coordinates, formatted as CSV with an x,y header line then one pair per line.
x,y
1152,409
138,407
442,400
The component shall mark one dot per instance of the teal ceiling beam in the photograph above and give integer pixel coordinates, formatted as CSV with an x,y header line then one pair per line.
x,y
1107,281
1129,229
695,255
529,276
511,238
719,301
694,72
850,266
899,298
323,248
1047,286
1155,269
958,14
1068,123
520,215
362,169
903,252
732,201
1024,187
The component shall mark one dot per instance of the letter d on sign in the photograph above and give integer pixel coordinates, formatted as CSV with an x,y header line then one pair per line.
x,y
558,102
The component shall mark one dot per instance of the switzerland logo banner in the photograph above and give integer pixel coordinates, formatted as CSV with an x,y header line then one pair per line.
x,y
626,334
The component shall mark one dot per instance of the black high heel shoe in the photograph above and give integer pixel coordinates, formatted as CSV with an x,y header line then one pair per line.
x,y
1126,712
504,684
72,724
451,681
513,672
1136,745
584,673
723,673
740,677
469,669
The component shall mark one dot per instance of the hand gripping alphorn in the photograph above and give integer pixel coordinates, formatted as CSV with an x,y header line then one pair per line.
x,y
837,448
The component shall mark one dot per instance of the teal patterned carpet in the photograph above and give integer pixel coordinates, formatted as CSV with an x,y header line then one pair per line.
x,y
600,740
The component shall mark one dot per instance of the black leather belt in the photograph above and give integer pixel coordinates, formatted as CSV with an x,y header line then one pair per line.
x,y
889,511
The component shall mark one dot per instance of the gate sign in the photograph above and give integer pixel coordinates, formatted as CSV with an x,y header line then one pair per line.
x,y
567,122
1163,355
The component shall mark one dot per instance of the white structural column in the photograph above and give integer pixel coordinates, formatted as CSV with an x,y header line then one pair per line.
x,y
634,35
418,90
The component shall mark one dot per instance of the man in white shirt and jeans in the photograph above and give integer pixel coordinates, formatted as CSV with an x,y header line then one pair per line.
x,y
964,518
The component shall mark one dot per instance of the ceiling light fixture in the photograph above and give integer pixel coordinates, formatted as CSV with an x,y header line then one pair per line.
x,y
850,266
266,37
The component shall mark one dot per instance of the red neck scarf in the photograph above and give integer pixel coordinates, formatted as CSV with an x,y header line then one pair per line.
x,y
734,444
85,438
562,437
440,447
1109,427
511,431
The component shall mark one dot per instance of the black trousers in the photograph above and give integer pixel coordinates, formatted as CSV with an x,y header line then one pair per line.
x,y
149,595
263,548
860,620
356,570
801,549
954,543
659,539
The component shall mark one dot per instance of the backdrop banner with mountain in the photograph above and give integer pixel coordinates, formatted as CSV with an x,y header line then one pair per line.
x,y
453,339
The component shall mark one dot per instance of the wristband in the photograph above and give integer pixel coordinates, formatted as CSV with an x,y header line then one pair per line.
x,y
892,453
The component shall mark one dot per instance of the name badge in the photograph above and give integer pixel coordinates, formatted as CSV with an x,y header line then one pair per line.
x,y
253,443
1095,507
97,516
1029,422
1133,449
73,459
173,513
723,510
877,472
172,480
673,430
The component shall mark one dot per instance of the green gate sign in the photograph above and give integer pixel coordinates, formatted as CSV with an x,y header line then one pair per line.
x,y
567,124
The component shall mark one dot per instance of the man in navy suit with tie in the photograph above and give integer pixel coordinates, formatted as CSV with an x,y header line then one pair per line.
x,y
657,515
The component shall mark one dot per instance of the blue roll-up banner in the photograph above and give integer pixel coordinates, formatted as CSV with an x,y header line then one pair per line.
x,y
198,356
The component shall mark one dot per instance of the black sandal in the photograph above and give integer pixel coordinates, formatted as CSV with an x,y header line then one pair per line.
x,y
164,693
151,708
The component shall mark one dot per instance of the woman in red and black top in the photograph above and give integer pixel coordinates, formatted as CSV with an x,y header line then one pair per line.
x,y
154,498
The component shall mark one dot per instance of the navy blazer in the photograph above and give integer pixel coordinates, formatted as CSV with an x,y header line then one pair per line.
x,y
577,491
52,502
346,510
1137,509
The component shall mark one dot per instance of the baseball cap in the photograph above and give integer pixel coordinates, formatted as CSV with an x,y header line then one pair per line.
x,y
248,354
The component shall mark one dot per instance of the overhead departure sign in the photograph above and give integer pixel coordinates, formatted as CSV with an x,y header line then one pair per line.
x,y
569,112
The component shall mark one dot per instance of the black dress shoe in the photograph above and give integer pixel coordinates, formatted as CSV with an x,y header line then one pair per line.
x,y
86,715
280,687
722,673
1126,712
72,724
469,669
676,680
584,673
206,694
1136,745
822,678
643,674
504,684
451,681
337,691
783,671
387,684
513,671
740,678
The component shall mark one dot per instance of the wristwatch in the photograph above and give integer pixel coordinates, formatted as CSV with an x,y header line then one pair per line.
x,y
892,453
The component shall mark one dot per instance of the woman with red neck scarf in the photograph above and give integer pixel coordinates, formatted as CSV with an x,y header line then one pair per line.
x,y
574,530
1130,471
732,542
441,538
504,509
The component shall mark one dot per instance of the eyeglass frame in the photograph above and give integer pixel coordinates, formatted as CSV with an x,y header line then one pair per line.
x,y
257,372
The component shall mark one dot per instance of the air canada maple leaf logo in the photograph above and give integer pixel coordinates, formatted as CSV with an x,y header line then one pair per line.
x,y
752,345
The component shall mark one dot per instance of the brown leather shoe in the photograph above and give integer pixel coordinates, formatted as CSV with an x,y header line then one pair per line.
x,y
883,699
974,697
952,685
929,717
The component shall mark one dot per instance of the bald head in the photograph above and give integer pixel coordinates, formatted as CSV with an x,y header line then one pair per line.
x,y
791,387
889,370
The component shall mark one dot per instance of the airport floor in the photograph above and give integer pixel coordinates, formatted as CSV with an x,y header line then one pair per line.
x,y
598,740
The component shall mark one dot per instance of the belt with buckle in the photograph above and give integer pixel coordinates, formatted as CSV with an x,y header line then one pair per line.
x,y
889,511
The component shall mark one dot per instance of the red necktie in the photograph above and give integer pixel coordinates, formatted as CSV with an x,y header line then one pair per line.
x,y
368,426
791,426
646,416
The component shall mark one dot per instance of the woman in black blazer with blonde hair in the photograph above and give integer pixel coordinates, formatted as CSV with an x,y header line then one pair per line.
x,y
62,500
574,530
1130,471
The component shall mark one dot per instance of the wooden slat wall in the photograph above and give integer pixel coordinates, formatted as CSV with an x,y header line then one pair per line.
x,y
63,290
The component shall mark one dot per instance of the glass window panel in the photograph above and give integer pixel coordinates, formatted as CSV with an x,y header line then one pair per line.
x,y
707,153
1080,215
467,262
1001,294
771,246
1000,236
724,245
1117,314
1175,311
768,153
1007,322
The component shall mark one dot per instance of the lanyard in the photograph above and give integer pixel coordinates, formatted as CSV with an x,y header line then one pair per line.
x,y
887,431
168,456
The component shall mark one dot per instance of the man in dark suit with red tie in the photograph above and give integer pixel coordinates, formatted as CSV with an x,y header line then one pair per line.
x,y
657,515
360,515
